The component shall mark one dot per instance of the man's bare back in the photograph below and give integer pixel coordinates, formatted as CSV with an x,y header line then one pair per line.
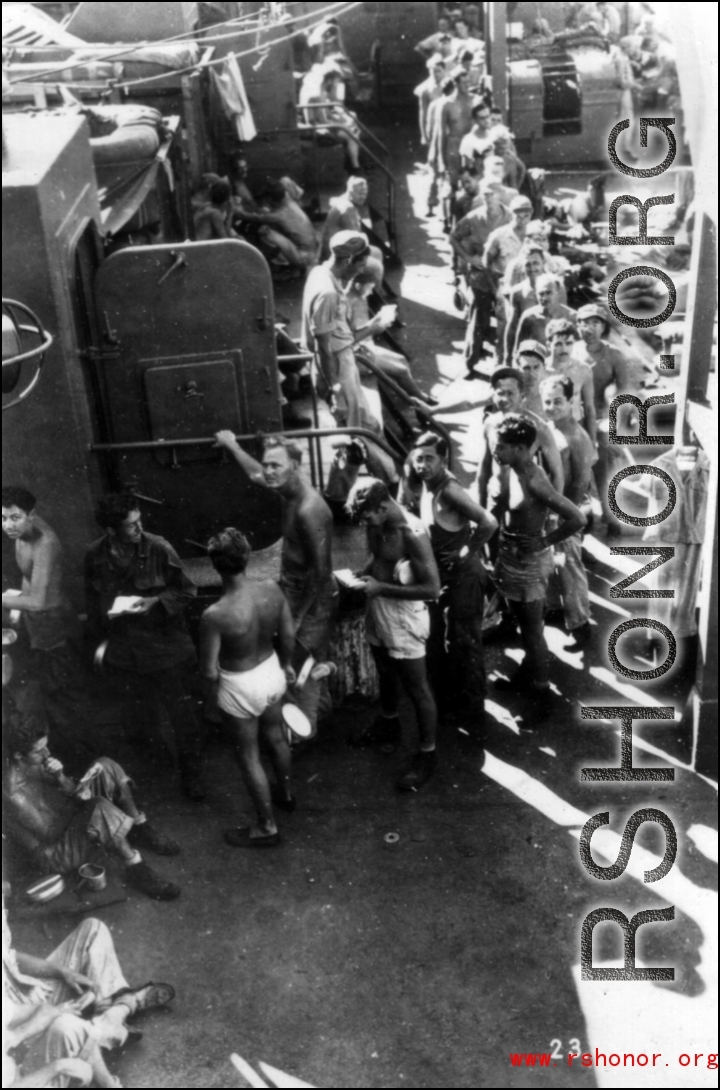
x,y
248,621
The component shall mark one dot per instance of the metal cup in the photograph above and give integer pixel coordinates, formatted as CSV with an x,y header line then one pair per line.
x,y
93,877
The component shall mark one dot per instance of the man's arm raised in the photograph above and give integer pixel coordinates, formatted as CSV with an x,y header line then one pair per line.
x,y
252,469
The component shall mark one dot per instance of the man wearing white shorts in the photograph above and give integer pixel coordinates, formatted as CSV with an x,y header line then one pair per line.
x,y
247,641
400,577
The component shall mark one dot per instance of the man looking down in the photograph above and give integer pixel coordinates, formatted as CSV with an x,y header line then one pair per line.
x,y
400,577
247,640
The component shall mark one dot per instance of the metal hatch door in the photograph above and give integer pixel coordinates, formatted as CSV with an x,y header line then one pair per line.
x,y
189,348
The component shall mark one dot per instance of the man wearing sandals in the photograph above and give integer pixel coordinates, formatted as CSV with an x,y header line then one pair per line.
x,y
62,824
77,1001
247,641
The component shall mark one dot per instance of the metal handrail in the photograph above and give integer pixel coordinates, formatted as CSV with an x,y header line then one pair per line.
x,y
392,184
305,433
364,128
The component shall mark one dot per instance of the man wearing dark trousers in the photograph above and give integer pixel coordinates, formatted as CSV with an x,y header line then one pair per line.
x,y
147,640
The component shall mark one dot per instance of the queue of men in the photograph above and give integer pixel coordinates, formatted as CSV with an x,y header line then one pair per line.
x,y
437,554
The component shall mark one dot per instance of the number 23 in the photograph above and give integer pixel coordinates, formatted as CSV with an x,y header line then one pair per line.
x,y
557,1046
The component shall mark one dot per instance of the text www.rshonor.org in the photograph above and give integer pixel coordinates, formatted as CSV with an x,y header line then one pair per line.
x,y
707,1060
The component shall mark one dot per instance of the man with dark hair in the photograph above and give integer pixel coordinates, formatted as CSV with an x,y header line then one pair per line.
x,y
212,218
47,613
45,608
509,397
400,577
458,528
147,642
247,642
62,824
613,370
578,459
476,144
306,576
562,336
285,227
525,558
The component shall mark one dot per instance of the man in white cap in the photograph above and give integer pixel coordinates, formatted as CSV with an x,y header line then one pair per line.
x,y
327,331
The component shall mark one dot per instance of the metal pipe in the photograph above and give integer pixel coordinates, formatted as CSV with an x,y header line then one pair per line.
x,y
305,433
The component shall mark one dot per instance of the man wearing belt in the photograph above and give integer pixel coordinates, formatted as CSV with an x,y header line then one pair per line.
x,y
148,642
458,527
306,577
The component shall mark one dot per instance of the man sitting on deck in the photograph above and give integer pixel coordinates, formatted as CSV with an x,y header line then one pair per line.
x,y
286,228
62,824
247,641
400,577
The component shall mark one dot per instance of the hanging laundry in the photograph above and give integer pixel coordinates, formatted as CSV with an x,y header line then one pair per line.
x,y
231,88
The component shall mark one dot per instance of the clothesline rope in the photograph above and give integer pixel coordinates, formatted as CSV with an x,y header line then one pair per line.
x,y
264,48
190,37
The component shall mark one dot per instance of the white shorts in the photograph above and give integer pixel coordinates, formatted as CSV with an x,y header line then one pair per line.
x,y
249,694
401,627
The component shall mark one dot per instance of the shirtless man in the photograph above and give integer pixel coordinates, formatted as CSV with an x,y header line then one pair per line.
x,y
286,227
532,324
458,529
509,397
578,459
57,681
530,362
612,369
455,123
428,92
562,337
62,824
400,577
247,641
525,559
45,608
306,575
523,296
